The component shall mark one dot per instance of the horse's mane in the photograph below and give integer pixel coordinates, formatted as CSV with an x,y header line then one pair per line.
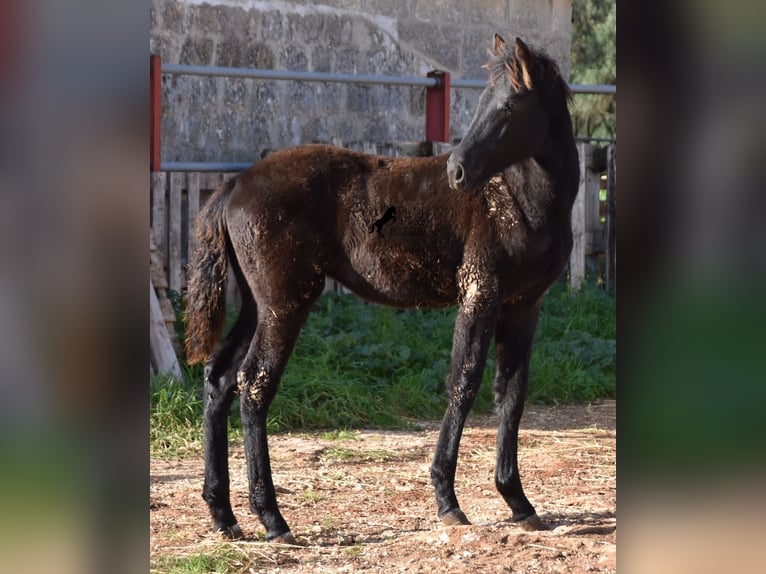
x,y
546,74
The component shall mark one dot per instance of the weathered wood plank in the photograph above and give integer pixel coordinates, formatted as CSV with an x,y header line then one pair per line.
x,y
211,180
175,276
156,266
192,198
611,218
159,214
577,258
162,354
438,148
589,187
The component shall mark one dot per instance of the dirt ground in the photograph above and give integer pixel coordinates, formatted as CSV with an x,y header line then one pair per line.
x,y
364,502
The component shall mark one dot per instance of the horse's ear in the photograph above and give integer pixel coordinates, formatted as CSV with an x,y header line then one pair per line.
x,y
527,60
498,48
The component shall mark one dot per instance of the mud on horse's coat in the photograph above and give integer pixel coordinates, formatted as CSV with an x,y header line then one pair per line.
x,y
492,233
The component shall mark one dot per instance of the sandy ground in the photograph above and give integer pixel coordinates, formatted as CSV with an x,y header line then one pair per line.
x,y
365,502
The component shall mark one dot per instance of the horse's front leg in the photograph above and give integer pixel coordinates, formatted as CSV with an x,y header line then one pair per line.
x,y
513,345
473,332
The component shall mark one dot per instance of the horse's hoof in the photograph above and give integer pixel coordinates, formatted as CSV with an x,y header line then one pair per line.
x,y
532,523
455,518
233,532
286,538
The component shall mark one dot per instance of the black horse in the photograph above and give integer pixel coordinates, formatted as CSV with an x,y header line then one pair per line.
x,y
494,234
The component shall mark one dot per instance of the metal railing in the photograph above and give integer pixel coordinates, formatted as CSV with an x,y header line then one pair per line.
x,y
438,85
330,77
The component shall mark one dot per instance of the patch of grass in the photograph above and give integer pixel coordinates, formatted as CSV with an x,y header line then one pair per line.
x,y
354,550
176,415
351,455
339,454
176,408
312,495
340,434
220,560
573,358
329,523
359,365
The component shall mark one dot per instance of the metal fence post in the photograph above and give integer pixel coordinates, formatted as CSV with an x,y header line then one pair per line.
x,y
437,107
155,122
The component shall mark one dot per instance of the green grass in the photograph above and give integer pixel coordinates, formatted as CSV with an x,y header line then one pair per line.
x,y
358,365
176,416
339,434
222,559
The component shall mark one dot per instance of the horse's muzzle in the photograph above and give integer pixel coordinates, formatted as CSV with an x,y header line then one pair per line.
x,y
455,172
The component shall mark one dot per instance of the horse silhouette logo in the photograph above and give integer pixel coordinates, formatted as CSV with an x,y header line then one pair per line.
x,y
389,215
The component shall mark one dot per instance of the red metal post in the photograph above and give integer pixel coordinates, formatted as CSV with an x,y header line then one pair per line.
x,y
437,108
155,123
13,17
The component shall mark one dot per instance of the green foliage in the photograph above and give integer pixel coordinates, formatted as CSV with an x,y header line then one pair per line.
x,y
363,365
573,359
359,365
593,61
176,415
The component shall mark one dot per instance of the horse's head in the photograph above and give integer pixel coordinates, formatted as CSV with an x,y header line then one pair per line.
x,y
512,119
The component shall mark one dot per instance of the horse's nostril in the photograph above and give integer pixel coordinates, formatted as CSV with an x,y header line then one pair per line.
x,y
459,173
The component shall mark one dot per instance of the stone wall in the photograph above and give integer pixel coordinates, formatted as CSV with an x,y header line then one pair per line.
x,y
212,119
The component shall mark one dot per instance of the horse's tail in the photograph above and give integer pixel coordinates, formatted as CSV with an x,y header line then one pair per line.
x,y
206,294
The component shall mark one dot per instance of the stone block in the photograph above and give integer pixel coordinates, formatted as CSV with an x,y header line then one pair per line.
x,y
258,55
305,28
347,61
397,9
328,96
293,58
464,12
235,92
476,48
225,21
353,5
416,103
272,25
357,98
173,13
321,59
530,17
197,51
377,129
440,48
338,30
229,53
299,98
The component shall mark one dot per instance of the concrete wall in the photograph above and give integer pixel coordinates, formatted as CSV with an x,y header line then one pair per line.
x,y
208,119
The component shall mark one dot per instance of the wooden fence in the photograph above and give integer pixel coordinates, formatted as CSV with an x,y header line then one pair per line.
x,y
594,217
176,198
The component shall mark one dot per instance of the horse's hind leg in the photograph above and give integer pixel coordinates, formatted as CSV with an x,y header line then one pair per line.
x,y
219,392
513,345
278,328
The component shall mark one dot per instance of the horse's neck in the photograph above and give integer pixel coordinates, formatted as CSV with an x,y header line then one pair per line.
x,y
531,193
558,158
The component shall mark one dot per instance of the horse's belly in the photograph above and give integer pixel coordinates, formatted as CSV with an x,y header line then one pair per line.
x,y
401,278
